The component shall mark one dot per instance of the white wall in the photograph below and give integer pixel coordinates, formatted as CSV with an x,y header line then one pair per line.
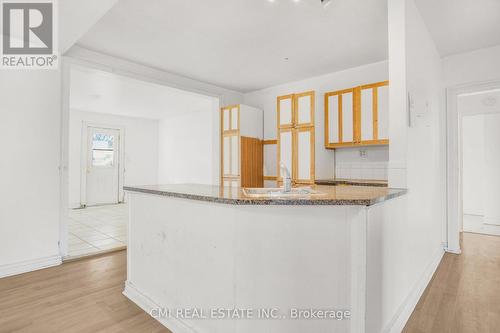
x,y
140,155
472,67
29,167
410,244
473,164
491,169
187,152
266,99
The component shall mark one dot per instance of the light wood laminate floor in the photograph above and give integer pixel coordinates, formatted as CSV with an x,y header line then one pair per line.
x,y
464,294
80,296
86,296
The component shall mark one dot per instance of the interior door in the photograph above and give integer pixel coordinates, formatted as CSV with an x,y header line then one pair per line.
x,y
103,158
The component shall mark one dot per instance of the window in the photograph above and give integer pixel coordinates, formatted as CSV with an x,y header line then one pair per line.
x,y
103,153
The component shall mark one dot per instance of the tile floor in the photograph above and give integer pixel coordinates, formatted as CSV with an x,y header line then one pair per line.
x,y
475,224
97,229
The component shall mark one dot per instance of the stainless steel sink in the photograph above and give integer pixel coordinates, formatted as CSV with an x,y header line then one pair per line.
x,y
278,192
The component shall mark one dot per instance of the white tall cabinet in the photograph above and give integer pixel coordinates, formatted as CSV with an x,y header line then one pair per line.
x,y
242,131
296,136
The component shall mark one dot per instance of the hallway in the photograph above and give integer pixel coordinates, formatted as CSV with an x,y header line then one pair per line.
x,y
463,294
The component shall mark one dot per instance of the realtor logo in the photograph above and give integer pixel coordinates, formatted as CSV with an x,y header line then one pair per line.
x,y
28,34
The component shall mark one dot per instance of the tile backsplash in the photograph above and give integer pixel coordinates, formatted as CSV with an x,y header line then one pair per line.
x,y
362,163
361,170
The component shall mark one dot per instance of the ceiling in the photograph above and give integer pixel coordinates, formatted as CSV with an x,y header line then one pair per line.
x,y
103,92
246,45
243,44
462,25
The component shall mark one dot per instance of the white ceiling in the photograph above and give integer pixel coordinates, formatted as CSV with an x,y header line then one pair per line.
x,y
462,25
242,44
103,92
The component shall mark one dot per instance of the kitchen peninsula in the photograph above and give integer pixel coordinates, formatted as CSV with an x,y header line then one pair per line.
x,y
209,247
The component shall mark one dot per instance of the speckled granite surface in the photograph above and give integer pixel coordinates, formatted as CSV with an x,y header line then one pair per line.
x,y
354,182
330,195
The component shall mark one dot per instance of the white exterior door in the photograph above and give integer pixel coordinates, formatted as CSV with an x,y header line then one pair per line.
x,y
103,159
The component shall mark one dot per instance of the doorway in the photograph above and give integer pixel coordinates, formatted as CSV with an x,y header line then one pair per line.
x,y
122,130
101,167
473,117
480,176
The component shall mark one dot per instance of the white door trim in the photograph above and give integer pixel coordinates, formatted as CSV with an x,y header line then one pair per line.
x,y
83,159
454,159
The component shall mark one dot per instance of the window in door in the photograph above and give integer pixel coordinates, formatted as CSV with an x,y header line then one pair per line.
x,y
103,150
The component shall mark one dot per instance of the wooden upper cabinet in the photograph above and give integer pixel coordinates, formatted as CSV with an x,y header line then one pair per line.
x,y
357,116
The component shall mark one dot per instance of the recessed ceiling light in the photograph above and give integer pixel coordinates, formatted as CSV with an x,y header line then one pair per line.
x,y
326,3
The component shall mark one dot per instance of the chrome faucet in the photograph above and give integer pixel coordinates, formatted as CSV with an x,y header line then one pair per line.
x,y
287,179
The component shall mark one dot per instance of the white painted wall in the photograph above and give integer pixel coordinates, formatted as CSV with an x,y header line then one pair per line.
x,y
472,67
410,242
29,167
473,141
140,155
266,99
187,153
491,169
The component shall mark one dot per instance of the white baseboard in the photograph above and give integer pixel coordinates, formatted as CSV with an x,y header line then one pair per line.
x,y
29,266
147,304
399,320
454,251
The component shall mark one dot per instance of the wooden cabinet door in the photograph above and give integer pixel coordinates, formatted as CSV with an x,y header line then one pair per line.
x,y
285,111
235,117
340,118
304,109
383,113
303,138
285,150
374,113
304,151
230,144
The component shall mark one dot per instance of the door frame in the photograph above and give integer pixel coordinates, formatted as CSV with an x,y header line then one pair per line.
x,y
454,159
80,57
83,159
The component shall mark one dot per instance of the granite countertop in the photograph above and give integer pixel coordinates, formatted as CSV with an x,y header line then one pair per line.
x,y
330,195
355,182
